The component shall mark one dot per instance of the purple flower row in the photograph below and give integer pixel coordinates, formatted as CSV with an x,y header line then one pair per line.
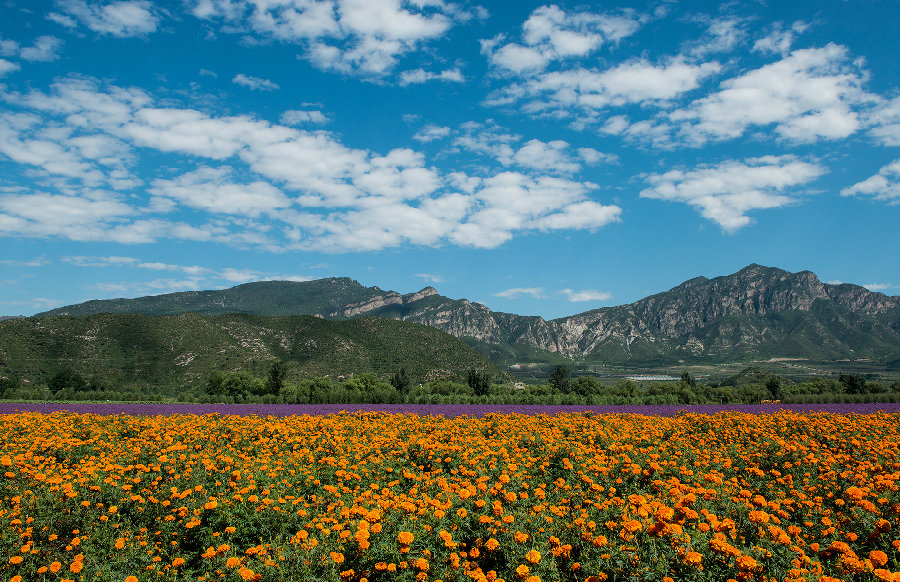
x,y
447,410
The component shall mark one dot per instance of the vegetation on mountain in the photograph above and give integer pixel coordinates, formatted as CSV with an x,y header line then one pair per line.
x,y
755,314
180,353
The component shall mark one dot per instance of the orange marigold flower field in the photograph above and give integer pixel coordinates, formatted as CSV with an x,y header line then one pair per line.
x,y
377,497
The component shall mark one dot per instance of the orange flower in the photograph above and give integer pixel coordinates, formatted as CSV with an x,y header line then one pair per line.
x,y
55,567
405,538
491,545
533,557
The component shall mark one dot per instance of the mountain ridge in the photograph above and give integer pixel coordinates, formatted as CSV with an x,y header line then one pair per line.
x,y
757,312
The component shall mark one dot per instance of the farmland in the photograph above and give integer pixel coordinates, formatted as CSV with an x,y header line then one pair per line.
x,y
373,495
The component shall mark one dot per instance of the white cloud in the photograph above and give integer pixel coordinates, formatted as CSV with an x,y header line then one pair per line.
x,y
487,139
883,186
884,121
584,92
417,76
124,18
300,117
431,132
878,286
722,35
274,186
807,96
45,49
431,278
7,67
551,33
779,41
350,36
725,193
49,215
213,190
254,83
550,156
585,295
511,202
533,292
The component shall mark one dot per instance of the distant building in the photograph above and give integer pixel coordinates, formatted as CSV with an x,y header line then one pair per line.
x,y
650,378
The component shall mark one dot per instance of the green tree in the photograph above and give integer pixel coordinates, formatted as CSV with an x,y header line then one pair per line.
x,y
853,383
774,386
66,379
561,380
585,386
400,381
688,379
9,381
480,382
275,379
215,386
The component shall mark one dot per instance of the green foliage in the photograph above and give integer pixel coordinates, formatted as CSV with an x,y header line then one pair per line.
x,y
853,383
275,379
561,380
400,381
171,354
479,381
67,379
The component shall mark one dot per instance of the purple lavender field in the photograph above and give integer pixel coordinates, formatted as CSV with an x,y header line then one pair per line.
x,y
449,410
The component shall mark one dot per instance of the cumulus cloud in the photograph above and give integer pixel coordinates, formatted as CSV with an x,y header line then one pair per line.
x,y
883,186
254,83
585,295
7,67
214,190
266,185
541,293
779,40
877,287
806,96
301,117
884,122
551,33
554,157
431,278
431,132
44,49
585,92
726,192
352,36
125,18
533,292
418,76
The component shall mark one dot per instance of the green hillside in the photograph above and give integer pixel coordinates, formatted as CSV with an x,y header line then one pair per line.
x,y
184,350
322,296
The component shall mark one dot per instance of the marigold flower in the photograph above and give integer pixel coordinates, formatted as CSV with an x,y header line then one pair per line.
x,y
15,560
405,537
233,562
693,558
491,545
878,557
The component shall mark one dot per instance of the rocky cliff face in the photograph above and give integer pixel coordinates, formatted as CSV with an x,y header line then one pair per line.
x,y
758,311
381,301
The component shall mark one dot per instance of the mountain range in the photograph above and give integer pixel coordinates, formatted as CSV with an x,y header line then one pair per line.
x,y
756,313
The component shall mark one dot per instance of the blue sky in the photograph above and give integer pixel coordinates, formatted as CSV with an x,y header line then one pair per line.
x,y
542,159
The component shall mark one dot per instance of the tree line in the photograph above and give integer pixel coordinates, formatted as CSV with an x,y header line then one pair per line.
x,y
752,386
